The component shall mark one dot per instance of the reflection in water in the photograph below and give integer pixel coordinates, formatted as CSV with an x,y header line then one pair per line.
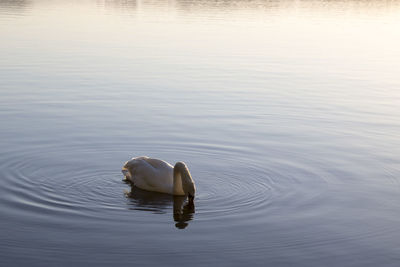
x,y
13,4
159,203
10,9
182,212
240,5
289,116
120,4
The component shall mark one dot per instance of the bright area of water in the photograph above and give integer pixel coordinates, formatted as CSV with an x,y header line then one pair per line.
x,y
286,112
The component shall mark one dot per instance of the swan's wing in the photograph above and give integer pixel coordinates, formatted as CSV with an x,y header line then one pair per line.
x,y
151,174
158,164
161,174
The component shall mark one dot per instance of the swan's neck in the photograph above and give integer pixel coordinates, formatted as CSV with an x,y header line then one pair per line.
x,y
178,189
183,182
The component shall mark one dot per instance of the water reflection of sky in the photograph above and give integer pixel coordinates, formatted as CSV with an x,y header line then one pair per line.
x,y
286,113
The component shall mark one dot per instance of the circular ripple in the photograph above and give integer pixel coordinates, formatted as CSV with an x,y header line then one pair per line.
x,y
81,188
80,182
45,183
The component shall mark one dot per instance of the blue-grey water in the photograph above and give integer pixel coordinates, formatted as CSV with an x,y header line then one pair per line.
x,y
287,113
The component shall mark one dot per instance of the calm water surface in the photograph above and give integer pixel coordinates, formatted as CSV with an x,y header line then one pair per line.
x,y
286,112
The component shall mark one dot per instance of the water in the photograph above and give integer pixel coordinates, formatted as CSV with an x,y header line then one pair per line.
x,y
286,112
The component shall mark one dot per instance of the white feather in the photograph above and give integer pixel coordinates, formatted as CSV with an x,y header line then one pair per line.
x,y
158,176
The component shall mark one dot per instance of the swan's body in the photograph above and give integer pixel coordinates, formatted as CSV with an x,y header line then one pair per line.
x,y
160,176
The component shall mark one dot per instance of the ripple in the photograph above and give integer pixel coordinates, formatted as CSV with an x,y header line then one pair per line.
x,y
227,189
81,184
41,183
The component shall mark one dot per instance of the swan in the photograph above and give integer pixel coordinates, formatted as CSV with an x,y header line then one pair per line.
x,y
159,176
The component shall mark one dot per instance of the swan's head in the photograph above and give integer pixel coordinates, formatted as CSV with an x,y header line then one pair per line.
x,y
188,186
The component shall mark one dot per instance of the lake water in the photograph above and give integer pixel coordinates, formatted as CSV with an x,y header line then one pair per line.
x,y
286,112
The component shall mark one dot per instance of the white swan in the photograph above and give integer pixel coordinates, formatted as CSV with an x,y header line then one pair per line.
x,y
159,176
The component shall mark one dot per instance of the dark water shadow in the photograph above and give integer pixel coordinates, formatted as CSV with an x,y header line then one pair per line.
x,y
160,203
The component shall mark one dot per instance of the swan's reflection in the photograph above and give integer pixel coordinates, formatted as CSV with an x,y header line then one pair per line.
x,y
183,212
159,203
